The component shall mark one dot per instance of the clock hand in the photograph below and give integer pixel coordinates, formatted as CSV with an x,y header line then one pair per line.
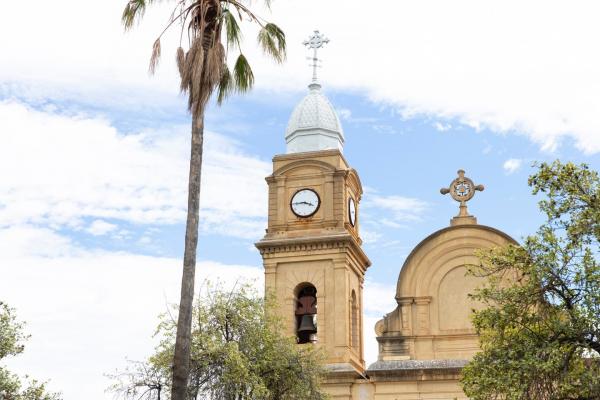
x,y
303,202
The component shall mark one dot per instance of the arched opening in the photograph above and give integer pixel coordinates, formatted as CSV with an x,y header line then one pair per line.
x,y
306,313
354,331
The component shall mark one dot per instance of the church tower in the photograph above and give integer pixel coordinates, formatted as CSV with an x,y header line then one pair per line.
x,y
312,255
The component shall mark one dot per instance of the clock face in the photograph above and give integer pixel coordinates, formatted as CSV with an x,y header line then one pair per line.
x,y
305,202
351,211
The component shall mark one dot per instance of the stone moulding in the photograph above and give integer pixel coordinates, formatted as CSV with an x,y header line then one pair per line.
x,y
398,371
343,242
415,370
309,154
416,365
418,248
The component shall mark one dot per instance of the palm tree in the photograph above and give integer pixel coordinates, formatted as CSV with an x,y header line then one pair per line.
x,y
205,26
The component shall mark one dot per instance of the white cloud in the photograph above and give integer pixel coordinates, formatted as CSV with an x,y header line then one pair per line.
x,y
398,209
539,80
485,69
512,165
441,126
461,62
102,306
28,240
344,113
66,168
100,227
378,300
379,212
369,237
383,128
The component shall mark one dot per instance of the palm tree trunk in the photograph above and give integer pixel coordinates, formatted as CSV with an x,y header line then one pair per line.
x,y
181,359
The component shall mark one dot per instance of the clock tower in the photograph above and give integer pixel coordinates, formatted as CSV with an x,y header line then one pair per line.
x,y
312,255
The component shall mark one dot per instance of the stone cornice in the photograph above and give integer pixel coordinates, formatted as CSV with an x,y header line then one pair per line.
x,y
398,371
341,373
309,154
324,242
393,336
402,370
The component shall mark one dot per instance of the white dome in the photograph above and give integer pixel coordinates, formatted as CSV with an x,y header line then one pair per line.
x,y
314,124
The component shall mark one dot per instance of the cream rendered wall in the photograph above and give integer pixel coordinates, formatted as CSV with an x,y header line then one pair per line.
x,y
427,339
323,249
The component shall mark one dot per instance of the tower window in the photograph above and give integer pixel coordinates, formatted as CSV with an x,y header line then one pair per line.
x,y
354,331
306,314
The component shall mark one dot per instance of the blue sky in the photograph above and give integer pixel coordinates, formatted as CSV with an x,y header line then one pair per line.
x,y
94,154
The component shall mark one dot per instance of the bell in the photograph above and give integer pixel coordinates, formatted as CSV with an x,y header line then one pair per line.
x,y
308,324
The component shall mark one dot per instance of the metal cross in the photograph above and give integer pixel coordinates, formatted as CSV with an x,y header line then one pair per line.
x,y
315,42
462,189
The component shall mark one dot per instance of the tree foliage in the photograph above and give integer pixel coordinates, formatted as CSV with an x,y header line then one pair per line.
x,y
540,332
210,29
12,338
238,353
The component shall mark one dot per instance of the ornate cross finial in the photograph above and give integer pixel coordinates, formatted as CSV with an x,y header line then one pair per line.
x,y
462,189
315,42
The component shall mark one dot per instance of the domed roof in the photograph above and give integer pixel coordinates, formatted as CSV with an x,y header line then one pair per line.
x,y
314,124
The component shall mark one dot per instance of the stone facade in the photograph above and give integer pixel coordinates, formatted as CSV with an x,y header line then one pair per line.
x,y
426,340
323,250
431,321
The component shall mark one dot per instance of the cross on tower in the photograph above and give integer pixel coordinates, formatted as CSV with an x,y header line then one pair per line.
x,y
315,42
462,189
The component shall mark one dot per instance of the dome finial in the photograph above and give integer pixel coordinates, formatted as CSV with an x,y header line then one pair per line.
x,y
315,42
314,124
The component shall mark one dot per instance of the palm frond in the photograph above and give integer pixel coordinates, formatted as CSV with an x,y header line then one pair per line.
x,y
214,64
180,59
241,8
203,67
155,56
193,60
134,10
232,29
225,87
272,40
242,74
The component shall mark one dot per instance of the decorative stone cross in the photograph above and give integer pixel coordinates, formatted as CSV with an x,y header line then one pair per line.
x,y
462,189
315,42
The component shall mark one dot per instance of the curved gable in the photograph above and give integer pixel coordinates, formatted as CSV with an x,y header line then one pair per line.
x,y
432,320
454,245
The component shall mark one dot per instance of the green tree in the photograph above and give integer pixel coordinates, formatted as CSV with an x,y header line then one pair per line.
x,y
238,352
540,332
11,344
205,25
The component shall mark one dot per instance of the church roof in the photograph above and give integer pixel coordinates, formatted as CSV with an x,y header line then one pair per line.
x,y
314,124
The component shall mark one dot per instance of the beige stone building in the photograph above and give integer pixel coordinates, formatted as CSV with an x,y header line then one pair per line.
x,y
315,266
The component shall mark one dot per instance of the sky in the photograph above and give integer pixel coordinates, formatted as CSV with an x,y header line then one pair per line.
x,y
94,152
